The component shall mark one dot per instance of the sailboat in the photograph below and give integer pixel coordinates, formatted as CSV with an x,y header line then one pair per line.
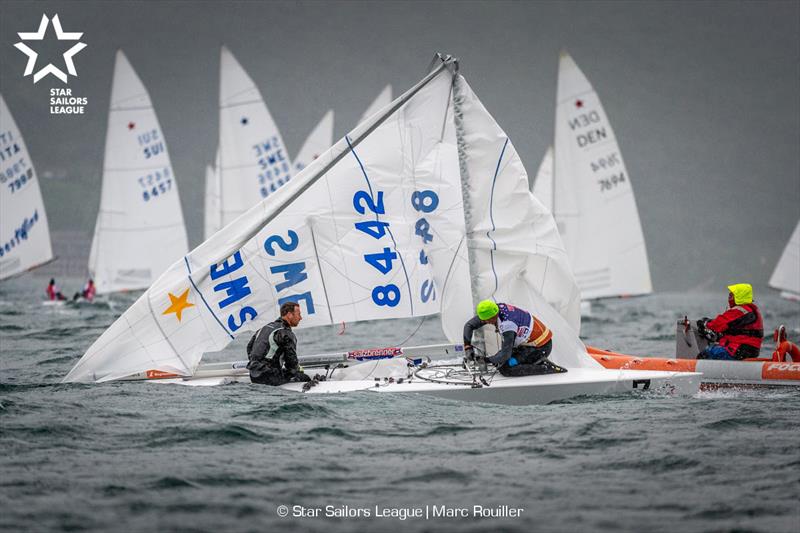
x,y
24,234
786,276
253,161
383,99
401,218
140,229
212,213
585,184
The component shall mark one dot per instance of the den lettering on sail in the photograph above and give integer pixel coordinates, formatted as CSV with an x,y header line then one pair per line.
x,y
63,103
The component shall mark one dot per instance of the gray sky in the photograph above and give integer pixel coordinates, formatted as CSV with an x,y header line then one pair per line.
x,y
704,98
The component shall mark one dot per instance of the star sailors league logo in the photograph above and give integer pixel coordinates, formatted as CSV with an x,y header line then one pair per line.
x,y
61,35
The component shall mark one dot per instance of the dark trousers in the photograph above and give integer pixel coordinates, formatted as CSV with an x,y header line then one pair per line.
x,y
529,361
275,377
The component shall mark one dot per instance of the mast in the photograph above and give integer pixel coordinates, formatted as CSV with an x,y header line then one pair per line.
x,y
458,117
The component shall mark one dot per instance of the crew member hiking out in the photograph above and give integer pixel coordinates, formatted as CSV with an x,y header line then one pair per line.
x,y
88,292
272,352
53,293
526,340
737,333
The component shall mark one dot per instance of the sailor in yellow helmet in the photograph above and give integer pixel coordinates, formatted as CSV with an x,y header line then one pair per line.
x,y
526,340
737,333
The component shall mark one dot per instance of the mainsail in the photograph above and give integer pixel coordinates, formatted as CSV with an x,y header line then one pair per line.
x,y
786,276
140,229
24,234
592,196
376,227
320,139
253,162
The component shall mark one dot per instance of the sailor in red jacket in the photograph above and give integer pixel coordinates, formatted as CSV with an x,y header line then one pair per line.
x,y
738,331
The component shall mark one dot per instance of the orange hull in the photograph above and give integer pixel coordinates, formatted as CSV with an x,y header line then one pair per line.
x,y
749,372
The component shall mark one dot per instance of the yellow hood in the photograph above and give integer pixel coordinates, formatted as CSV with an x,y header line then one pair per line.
x,y
742,293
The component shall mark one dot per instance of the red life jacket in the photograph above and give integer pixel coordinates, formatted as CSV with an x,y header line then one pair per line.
x,y
741,330
51,292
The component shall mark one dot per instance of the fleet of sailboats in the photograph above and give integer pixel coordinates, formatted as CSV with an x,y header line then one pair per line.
x,y
24,233
398,219
586,185
140,229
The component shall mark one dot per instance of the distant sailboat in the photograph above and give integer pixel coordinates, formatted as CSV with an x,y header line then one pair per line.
x,y
213,215
587,187
253,160
24,234
320,139
140,229
786,277
382,100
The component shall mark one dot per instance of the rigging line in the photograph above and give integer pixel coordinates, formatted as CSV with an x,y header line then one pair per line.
x,y
391,235
452,262
319,266
491,215
424,318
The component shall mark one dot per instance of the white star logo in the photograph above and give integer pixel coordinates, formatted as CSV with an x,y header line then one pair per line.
x,y
38,35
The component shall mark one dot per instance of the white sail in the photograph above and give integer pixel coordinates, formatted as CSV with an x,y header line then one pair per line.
x,y
593,197
24,234
320,139
140,229
543,185
517,254
254,162
212,215
382,100
373,228
786,276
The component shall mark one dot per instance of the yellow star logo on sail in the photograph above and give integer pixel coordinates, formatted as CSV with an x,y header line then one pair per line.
x,y
178,304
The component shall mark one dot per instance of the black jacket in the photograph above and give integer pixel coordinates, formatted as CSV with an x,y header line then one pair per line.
x,y
273,347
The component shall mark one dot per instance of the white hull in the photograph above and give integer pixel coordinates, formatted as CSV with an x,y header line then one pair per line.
x,y
528,390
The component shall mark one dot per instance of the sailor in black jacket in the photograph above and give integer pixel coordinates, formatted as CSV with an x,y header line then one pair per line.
x,y
272,352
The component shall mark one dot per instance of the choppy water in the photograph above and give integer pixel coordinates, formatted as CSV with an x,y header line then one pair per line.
x,y
147,457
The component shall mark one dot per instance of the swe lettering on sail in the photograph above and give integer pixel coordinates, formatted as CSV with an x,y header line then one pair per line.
x,y
272,164
233,288
293,273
